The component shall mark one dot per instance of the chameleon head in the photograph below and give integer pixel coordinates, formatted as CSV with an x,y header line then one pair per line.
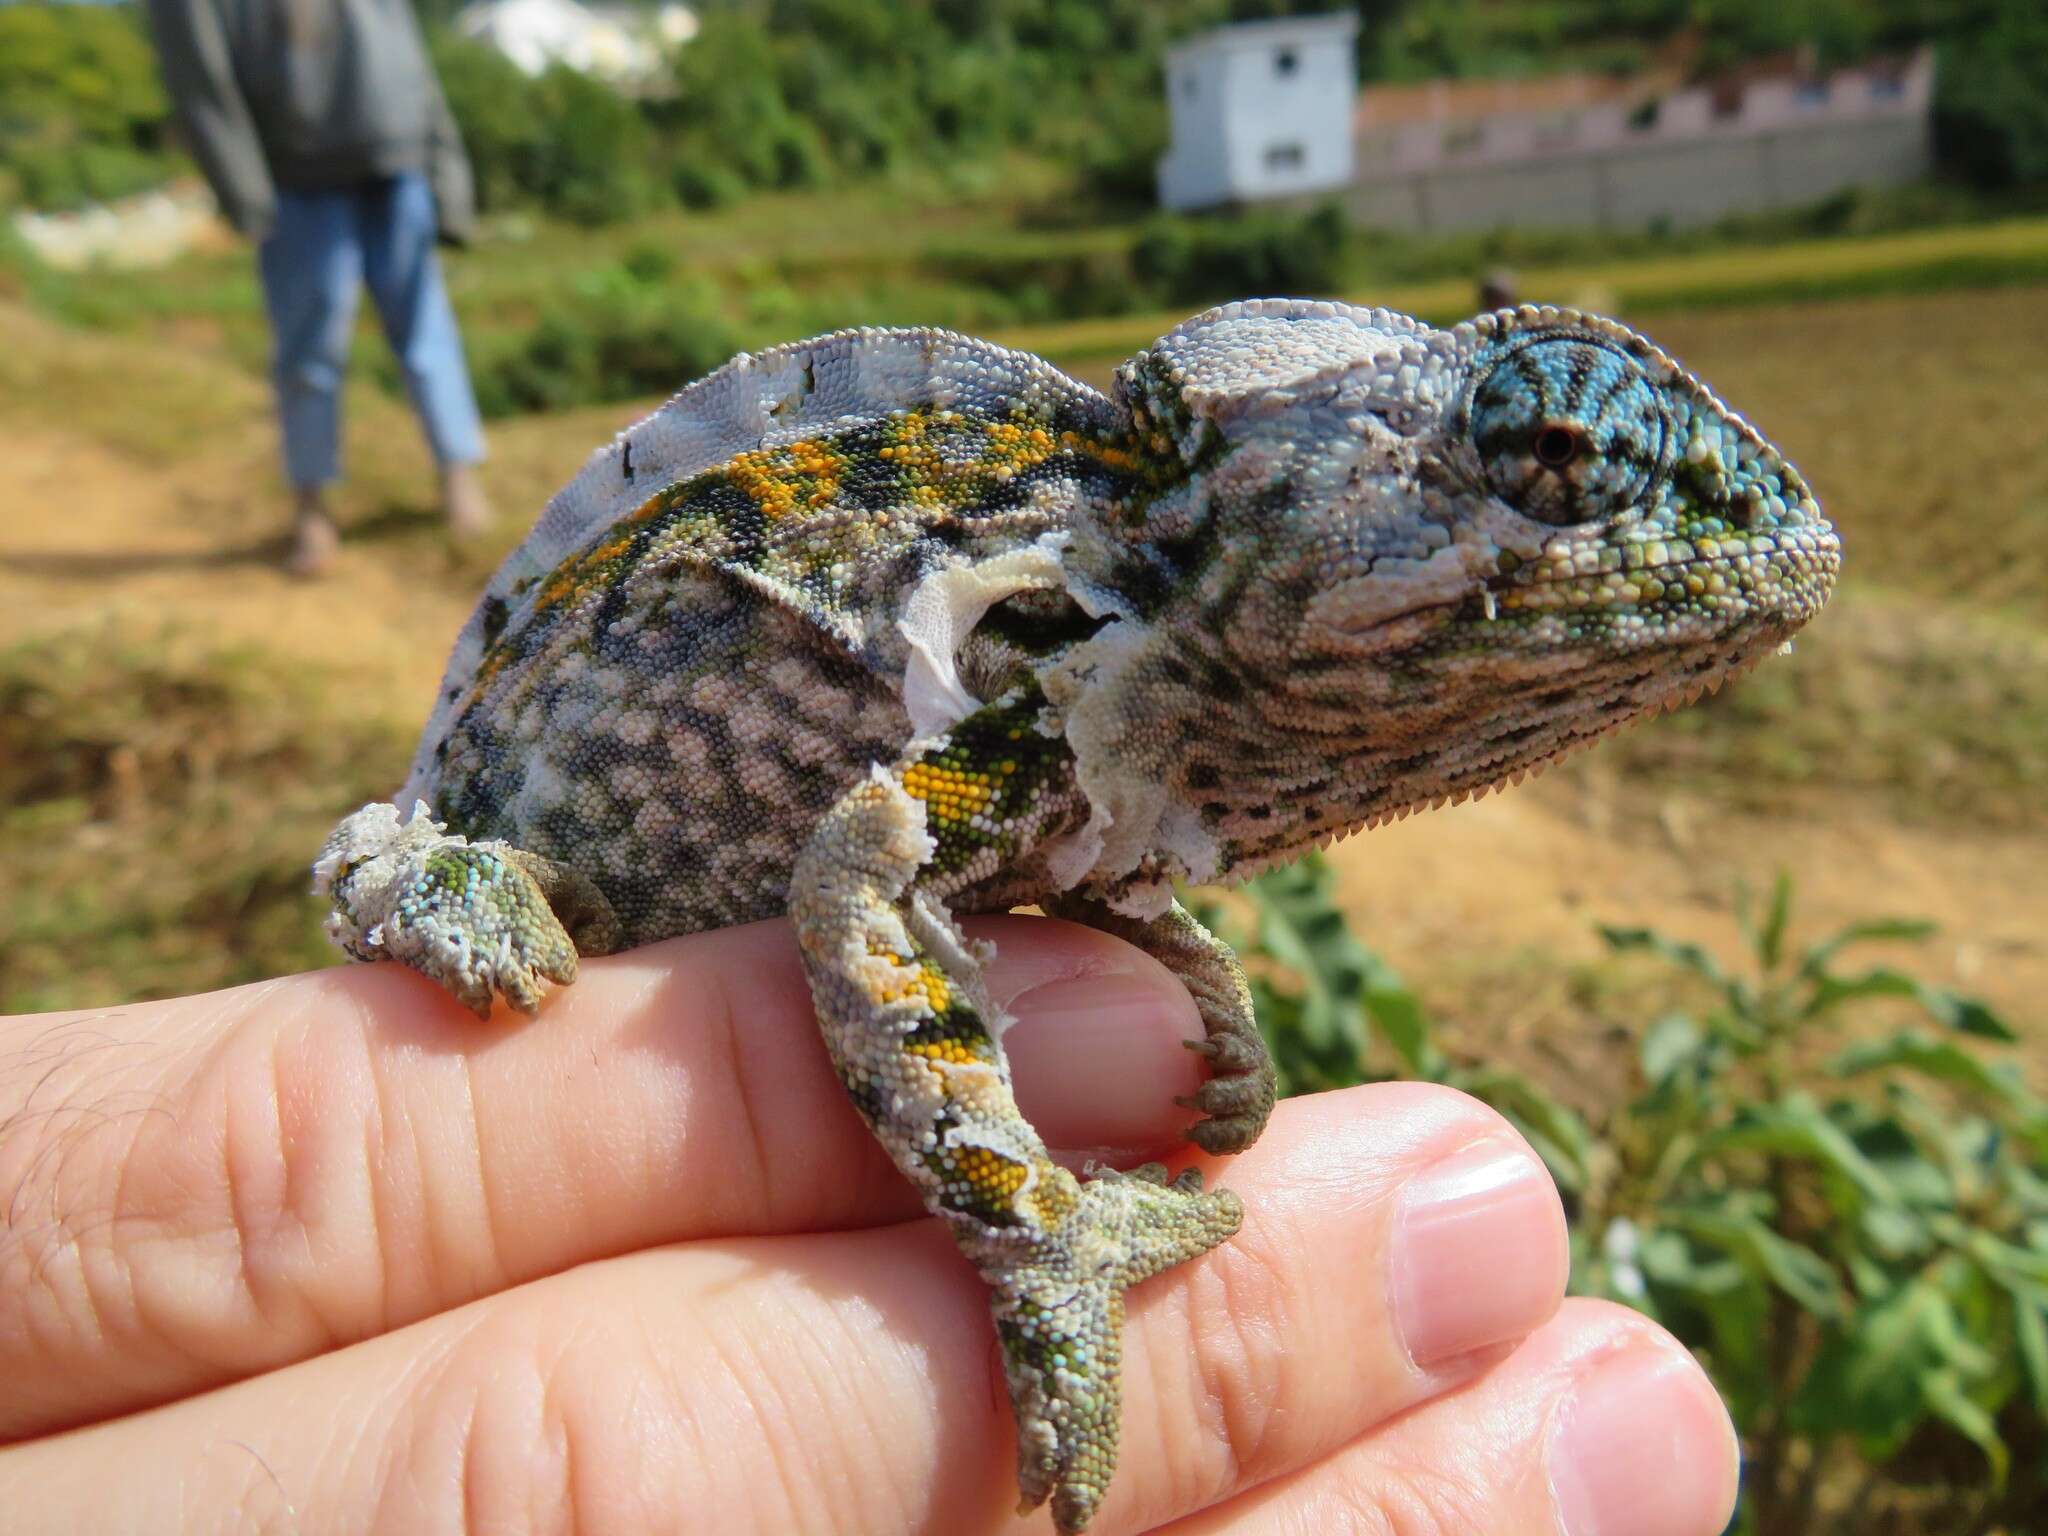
x,y
1413,563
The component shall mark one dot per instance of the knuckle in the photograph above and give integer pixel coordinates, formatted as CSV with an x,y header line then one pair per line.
x,y
479,1446
172,1231
1236,1312
62,1151
296,1192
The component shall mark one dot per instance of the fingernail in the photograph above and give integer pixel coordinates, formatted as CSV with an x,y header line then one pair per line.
x,y
1479,1251
1097,1060
1643,1447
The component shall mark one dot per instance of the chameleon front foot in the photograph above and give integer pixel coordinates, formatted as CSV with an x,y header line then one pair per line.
x,y
1238,1098
482,919
1059,1316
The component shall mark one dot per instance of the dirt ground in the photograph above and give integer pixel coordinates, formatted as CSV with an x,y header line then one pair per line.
x,y
137,484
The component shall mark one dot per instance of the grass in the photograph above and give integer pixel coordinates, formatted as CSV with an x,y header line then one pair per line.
x,y
1930,718
1013,255
2010,253
158,795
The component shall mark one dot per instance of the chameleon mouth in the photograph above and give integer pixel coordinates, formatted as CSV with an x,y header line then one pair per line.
x,y
1719,665
1781,577
1788,590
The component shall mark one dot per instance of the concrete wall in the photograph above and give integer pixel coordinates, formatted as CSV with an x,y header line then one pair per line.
x,y
1679,181
1698,155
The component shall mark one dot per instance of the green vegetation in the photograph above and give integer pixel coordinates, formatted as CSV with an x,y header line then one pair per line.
x,y
1992,101
793,94
82,112
1844,1214
563,142
223,764
556,317
631,329
1703,271
821,163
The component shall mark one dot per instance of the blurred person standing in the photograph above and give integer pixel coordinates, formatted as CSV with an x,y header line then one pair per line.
x,y
323,132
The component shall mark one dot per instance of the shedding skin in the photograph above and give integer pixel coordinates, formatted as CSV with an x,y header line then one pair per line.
x,y
885,626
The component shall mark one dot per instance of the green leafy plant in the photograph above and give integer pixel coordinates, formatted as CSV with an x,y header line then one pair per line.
x,y
82,113
1198,260
619,331
1843,1214
1991,93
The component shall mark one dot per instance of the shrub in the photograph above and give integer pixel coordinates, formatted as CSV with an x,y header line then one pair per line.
x,y
620,332
1848,1224
83,115
1194,261
1991,95
700,183
565,142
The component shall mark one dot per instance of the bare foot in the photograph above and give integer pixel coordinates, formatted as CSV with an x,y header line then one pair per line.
x,y
463,502
315,539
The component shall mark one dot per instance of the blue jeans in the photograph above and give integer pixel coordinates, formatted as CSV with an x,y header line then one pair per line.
x,y
325,245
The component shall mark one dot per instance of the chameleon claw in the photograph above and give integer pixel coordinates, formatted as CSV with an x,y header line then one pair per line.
x,y
1228,1053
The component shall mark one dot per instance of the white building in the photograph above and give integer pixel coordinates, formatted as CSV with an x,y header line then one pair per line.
x,y
1260,110
624,45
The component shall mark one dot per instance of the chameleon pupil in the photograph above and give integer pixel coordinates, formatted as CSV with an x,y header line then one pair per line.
x,y
1556,447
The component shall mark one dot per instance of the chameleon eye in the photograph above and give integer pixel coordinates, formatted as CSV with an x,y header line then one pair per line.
x,y
1567,429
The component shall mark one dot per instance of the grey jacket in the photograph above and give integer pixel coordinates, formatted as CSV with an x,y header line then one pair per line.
x,y
308,95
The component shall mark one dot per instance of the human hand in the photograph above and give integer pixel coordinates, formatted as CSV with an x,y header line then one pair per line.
x,y
638,1266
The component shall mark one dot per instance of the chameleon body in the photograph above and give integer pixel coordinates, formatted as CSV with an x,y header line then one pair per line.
x,y
889,625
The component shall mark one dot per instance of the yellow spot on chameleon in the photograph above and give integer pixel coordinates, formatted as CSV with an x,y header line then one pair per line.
x,y
1053,1199
990,1174
952,1052
907,979
806,472
948,793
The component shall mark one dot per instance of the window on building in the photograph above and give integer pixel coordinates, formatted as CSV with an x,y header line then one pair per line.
x,y
1187,85
1811,93
1285,157
1286,62
1887,87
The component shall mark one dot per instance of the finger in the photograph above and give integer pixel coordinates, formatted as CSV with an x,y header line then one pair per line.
x,y
850,1381
1600,1425
201,1189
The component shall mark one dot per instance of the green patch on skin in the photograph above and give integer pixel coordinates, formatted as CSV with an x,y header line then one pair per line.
x,y
955,1025
1031,1348
977,783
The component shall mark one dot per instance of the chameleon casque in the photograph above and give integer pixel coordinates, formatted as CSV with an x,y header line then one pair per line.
x,y
892,624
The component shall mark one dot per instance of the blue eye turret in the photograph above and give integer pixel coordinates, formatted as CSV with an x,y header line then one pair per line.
x,y
1568,429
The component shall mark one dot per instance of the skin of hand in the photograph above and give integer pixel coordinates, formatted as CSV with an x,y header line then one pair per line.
x,y
326,1255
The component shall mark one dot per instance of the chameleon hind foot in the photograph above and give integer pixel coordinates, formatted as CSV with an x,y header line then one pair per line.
x,y
479,918
1059,1316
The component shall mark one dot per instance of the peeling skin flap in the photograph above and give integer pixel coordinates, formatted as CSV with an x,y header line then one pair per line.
x,y
1131,811
940,613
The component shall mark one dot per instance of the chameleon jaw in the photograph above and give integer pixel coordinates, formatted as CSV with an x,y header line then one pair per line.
x,y
1704,681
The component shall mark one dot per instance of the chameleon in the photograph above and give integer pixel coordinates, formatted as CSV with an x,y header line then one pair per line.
x,y
891,625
